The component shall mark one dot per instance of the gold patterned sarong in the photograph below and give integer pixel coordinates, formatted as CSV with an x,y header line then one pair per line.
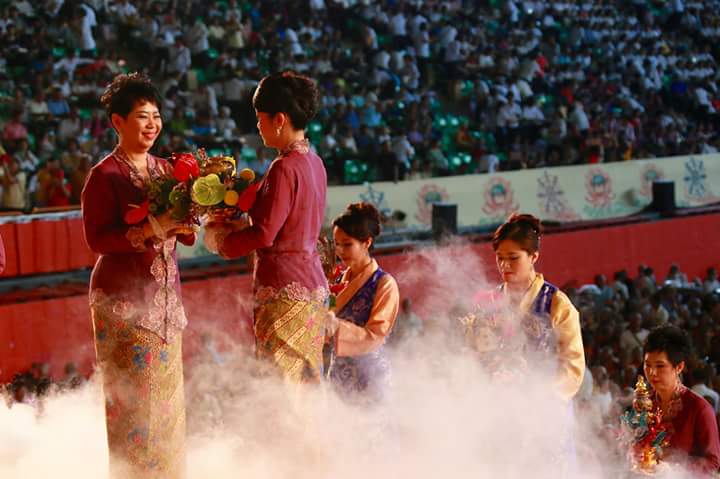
x,y
289,330
144,397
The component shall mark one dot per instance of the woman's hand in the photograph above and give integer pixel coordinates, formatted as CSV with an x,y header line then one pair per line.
x,y
165,226
241,223
215,234
331,324
234,225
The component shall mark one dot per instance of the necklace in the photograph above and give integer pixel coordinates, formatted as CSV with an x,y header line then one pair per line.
x,y
136,178
674,405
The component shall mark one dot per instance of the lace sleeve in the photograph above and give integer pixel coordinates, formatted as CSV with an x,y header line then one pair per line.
x,y
215,240
136,237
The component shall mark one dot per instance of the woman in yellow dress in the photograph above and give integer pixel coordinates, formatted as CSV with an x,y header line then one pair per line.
x,y
548,323
549,320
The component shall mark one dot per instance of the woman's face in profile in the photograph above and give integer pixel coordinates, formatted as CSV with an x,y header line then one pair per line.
x,y
141,128
350,250
267,128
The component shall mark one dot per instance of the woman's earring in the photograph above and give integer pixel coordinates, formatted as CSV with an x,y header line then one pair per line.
x,y
277,132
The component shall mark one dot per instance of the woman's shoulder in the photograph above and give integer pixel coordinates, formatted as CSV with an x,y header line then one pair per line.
x,y
387,280
106,165
561,301
694,402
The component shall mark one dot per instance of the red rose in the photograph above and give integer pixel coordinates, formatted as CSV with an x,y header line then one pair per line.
x,y
247,197
137,213
185,166
337,288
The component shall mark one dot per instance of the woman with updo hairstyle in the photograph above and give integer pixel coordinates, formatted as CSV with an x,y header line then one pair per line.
x,y
366,308
289,284
549,320
135,302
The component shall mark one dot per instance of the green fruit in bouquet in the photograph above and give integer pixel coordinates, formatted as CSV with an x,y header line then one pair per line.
x,y
208,190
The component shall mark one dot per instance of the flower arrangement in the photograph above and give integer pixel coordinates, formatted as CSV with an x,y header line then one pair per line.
x,y
642,431
198,185
336,286
333,271
492,331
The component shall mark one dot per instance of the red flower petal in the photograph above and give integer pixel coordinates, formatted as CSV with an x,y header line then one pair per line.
x,y
337,288
175,157
137,213
185,166
247,197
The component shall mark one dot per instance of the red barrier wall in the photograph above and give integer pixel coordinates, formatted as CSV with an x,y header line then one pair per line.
x,y
59,330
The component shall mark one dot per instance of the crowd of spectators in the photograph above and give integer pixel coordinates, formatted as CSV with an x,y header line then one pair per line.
x,y
411,88
30,387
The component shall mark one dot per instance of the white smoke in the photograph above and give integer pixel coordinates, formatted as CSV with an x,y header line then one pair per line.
x,y
445,416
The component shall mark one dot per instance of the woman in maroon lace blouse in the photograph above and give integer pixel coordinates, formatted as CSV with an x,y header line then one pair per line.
x,y
290,286
688,418
135,302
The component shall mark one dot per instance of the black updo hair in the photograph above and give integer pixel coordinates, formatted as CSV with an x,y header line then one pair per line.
x,y
360,221
288,92
671,340
523,229
125,91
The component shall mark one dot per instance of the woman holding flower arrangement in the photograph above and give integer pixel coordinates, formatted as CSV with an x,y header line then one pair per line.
x,y
687,418
135,301
290,287
545,327
366,308
549,320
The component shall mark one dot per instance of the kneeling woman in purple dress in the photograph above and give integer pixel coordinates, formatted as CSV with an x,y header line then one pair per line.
x,y
366,308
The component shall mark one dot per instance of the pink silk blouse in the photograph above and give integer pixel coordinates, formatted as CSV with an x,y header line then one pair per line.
x,y
287,217
139,277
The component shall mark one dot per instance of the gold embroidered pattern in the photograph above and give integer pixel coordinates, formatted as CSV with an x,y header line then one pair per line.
x,y
675,405
293,291
122,308
301,146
